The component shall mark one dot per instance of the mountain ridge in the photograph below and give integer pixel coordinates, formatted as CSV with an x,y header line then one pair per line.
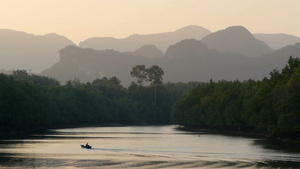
x,y
195,62
236,39
35,53
277,41
161,40
28,51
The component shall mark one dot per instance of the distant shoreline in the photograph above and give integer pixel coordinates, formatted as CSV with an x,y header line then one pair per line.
x,y
34,130
236,132
231,132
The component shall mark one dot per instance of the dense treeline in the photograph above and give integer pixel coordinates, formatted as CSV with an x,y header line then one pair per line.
x,y
270,106
31,101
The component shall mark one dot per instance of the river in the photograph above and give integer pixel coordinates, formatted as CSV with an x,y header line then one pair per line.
x,y
143,147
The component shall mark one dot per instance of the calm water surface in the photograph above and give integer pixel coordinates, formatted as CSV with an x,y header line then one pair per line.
x,y
143,147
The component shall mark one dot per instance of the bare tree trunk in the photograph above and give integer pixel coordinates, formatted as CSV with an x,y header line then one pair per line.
x,y
155,94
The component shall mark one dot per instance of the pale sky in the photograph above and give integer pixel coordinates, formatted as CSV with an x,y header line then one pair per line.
x,y
82,19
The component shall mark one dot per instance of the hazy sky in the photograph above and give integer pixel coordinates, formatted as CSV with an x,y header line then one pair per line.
x,y
82,19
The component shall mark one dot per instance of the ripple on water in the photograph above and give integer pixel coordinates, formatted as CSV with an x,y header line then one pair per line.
x,y
145,147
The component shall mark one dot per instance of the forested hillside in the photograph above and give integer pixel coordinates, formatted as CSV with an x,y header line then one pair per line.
x,y
270,106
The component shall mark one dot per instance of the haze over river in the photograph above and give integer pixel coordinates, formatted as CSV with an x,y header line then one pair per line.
x,y
143,147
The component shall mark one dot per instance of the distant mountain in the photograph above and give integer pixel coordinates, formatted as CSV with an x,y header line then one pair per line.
x,y
188,48
187,60
89,64
192,60
279,58
236,39
277,41
147,51
161,40
19,50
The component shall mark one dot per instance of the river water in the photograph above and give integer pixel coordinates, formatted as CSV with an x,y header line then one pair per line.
x,y
143,147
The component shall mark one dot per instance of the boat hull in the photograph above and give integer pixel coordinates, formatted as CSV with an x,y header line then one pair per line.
x,y
87,147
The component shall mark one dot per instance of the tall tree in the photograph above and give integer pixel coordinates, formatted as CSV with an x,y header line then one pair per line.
x,y
154,74
139,72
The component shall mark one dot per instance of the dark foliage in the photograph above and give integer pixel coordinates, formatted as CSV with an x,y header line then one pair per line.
x,y
31,101
270,106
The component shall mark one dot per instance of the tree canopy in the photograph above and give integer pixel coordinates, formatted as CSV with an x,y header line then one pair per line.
x,y
31,101
154,74
270,106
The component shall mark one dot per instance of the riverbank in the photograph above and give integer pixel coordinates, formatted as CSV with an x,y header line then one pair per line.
x,y
25,132
248,133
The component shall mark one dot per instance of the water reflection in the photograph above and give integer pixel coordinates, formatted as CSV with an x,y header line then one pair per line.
x,y
278,146
143,147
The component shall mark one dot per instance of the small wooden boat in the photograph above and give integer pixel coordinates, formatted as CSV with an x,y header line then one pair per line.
x,y
86,146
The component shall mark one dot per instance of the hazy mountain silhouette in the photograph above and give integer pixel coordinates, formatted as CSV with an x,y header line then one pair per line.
x,y
147,51
277,41
236,39
192,60
279,58
89,64
188,48
161,40
187,60
19,50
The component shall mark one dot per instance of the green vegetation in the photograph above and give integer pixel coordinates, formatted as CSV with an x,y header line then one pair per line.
x,y
31,101
153,74
270,106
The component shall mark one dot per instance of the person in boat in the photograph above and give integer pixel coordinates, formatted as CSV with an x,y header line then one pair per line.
x,y
87,145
